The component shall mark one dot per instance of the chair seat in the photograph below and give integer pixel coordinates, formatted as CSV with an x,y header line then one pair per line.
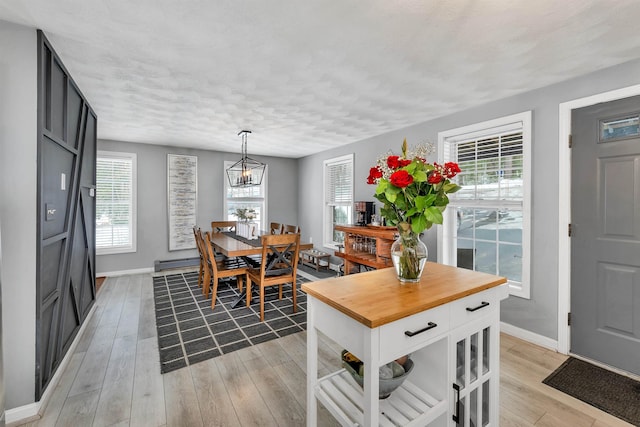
x,y
254,275
230,272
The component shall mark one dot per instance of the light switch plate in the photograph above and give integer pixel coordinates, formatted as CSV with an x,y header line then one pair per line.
x,y
50,212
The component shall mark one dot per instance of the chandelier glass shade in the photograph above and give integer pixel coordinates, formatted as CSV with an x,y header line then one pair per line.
x,y
246,172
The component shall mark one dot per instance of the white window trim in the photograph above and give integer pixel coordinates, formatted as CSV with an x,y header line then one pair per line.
x,y
327,234
134,202
445,233
264,220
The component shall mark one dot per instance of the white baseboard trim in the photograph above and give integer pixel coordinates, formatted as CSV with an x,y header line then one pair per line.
x,y
22,414
33,411
529,336
125,272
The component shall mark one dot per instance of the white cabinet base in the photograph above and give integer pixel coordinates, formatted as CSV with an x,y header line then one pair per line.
x,y
454,344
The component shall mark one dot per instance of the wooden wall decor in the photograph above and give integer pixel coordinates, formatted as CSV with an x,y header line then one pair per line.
x,y
182,198
65,277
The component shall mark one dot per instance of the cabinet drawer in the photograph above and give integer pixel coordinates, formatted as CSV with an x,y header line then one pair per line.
x,y
473,307
411,333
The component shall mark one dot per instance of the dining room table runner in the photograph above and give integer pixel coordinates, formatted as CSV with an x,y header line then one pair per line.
x,y
254,242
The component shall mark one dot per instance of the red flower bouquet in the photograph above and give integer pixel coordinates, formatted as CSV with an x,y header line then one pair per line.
x,y
412,190
414,195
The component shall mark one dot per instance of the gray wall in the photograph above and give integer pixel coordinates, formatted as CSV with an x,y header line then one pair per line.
x,y
152,219
539,314
18,157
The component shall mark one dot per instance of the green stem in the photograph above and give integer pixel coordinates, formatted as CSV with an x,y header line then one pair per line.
x,y
409,261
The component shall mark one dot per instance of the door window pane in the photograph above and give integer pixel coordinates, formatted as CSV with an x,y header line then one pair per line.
x,y
486,337
619,128
486,396
460,363
473,363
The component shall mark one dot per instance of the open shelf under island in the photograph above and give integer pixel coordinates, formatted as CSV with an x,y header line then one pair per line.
x,y
449,323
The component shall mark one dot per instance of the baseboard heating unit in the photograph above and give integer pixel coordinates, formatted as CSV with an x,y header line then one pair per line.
x,y
175,263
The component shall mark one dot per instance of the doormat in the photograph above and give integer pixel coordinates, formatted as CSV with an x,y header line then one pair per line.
x,y
611,392
190,332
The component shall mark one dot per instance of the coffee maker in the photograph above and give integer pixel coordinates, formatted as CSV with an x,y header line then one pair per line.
x,y
364,212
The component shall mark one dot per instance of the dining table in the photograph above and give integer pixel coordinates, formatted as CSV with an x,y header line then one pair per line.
x,y
232,245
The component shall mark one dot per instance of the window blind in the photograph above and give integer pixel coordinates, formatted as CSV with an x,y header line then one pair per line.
x,y
492,167
114,202
339,182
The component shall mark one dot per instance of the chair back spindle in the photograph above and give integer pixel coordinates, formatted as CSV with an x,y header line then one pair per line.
x,y
290,229
275,228
222,226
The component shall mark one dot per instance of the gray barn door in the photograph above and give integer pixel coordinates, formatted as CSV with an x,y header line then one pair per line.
x,y
605,242
65,289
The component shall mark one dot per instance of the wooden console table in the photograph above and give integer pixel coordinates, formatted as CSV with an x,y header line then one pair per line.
x,y
370,246
449,323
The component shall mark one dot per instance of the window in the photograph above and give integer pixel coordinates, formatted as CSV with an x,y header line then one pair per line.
x,y
338,198
115,203
253,197
487,223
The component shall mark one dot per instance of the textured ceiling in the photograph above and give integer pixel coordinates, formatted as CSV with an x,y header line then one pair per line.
x,y
306,76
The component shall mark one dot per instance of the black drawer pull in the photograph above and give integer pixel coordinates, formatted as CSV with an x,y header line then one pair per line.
x,y
482,305
430,325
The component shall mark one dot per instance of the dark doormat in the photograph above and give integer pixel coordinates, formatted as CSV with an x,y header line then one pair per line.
x,y
611,392
190,332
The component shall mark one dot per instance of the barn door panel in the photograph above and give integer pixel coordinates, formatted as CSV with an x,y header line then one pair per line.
x,y
66,212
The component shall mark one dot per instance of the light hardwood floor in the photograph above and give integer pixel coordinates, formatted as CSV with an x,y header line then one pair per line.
x,y
113,378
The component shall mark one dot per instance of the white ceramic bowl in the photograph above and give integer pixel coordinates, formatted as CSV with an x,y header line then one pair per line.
x,y
386,386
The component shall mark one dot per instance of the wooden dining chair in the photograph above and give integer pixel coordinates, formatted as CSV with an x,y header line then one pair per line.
x,y
281,254
197,234
290,229
220,226
275,228
217,270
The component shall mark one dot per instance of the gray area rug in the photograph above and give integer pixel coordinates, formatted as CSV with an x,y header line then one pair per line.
x,y
190,332
321,274
611,392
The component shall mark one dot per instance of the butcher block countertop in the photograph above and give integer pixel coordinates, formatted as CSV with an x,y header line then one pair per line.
x,y
377,297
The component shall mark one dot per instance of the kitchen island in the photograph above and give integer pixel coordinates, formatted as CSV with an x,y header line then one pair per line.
x,y
448,323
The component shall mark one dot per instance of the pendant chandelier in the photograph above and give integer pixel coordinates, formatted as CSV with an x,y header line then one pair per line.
x,y
246,172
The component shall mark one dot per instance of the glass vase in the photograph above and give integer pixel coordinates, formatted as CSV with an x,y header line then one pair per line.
x,y
409,254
